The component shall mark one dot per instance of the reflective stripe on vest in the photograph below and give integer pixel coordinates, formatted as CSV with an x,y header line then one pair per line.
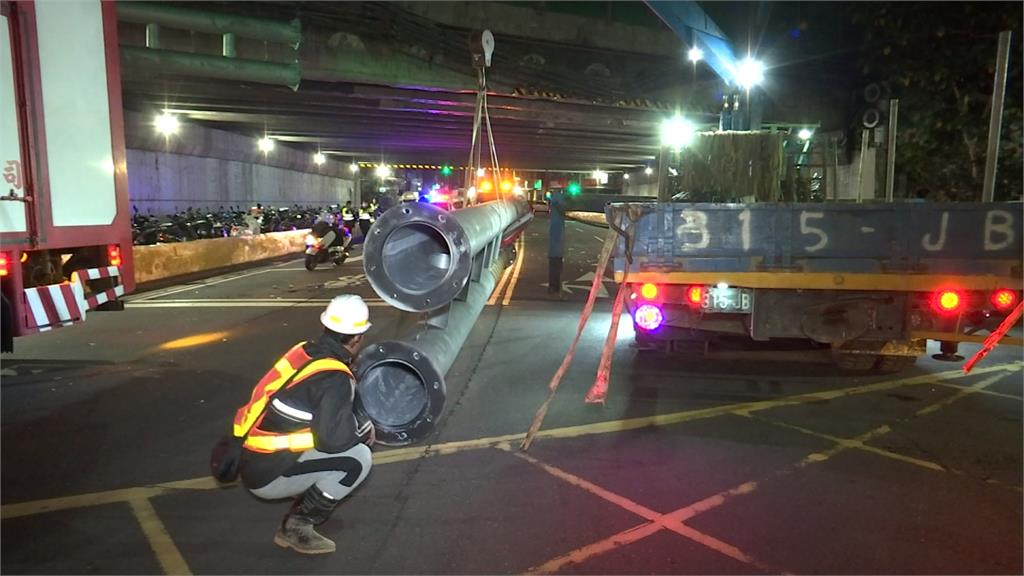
x,y
294,367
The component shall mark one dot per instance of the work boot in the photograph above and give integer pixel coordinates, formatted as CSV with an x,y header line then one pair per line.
x,y
310,509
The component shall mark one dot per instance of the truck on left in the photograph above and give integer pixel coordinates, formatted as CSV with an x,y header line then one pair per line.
x,y
65,225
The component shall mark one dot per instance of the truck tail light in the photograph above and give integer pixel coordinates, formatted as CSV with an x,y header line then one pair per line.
x,y
5,264
649,291
695,295
1004,299
947,301
648,317
114,255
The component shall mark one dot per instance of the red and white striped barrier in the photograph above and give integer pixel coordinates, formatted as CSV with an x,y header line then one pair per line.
x,y
57,305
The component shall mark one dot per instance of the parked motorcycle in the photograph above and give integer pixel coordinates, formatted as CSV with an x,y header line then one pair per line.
x,y
327,242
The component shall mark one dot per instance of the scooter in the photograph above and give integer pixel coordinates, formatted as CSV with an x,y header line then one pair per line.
x,y
325,242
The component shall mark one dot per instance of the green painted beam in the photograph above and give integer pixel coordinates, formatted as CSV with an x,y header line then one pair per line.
x,y
147,61
289,33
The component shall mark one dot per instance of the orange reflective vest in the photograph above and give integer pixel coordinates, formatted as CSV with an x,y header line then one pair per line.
x,y
294,367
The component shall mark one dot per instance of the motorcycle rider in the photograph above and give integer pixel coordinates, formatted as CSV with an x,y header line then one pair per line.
x,y
364,219
330,235
348,217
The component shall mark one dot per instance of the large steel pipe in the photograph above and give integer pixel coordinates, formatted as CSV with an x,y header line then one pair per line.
x,y
401,383
419,257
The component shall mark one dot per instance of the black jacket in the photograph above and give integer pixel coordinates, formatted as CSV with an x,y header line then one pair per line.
x,y
329,397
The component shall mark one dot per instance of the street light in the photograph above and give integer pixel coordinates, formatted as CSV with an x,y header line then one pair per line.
x,y
353,168
167,124
265,144
677,132
480,172
319,158
383,171
648,170
695,54
749,73
805,134
625,176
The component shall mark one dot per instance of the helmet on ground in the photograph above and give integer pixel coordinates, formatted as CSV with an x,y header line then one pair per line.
x,y
346,314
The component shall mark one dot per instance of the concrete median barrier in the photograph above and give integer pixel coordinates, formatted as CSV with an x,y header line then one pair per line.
x,y
162,261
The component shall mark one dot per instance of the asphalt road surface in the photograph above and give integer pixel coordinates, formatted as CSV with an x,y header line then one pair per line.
x,y
693,465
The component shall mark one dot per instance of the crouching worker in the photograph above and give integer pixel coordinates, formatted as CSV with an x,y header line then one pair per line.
x,y
304,438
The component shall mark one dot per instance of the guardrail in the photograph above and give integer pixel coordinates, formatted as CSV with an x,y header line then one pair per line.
x,y
162,261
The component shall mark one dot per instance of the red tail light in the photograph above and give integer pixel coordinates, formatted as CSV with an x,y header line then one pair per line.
x,y
695,295
649,291
947,301
114,255
1004,299
5,264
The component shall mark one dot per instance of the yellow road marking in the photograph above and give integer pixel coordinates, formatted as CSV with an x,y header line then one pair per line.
x,y
657,521
29,508
160,541
501,286
676,518
853,443
201,483
963,392
620,501
580,555
404,454
985,392
515,273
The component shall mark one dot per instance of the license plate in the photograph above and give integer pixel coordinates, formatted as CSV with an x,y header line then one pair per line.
x,y
727,300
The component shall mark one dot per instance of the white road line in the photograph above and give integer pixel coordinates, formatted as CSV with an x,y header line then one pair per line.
x,y
220,280
353,259
239,304
367,299
598,238
211,282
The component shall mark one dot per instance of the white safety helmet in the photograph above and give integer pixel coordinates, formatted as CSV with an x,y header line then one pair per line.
x,y
346,314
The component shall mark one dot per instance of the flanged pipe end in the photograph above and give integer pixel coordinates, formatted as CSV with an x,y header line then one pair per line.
x,y
400,390
417,257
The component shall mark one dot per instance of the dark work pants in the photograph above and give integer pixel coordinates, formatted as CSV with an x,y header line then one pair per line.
x,y
554,275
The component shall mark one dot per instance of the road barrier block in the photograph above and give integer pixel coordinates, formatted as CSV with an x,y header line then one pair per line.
x,y
162,261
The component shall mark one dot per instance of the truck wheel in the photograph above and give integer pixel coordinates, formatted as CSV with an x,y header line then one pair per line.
x,y
854,362
893,364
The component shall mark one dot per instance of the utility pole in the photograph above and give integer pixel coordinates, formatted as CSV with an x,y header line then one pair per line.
x,y
995,121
